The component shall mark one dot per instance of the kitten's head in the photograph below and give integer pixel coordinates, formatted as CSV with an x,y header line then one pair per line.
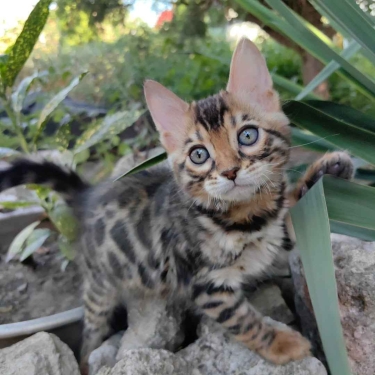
x,y
230,145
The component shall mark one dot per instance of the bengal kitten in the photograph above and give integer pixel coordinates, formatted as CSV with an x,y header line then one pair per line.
x,y
203,227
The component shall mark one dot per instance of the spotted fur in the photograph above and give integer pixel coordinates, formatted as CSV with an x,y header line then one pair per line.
x,y
187,230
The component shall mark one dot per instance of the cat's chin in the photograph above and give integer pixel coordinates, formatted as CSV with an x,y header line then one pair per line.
x,y
238,193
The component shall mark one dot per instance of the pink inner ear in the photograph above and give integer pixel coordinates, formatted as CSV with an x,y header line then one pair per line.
x,y
169,113
249,76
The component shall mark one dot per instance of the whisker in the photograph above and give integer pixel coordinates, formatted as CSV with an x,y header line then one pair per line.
x,y
317,140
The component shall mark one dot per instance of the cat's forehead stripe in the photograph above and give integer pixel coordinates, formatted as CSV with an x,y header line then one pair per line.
x,y
210,112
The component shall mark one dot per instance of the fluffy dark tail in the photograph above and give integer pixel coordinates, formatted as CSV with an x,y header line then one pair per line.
x,y
23,171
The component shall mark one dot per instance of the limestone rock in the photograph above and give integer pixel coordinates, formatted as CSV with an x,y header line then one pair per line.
x,y
152,324
215,353
105,355
151,362
355,275
268,300
40,354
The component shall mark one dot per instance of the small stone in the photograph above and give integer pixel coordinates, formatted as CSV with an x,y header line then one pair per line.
x,y
5,309
22,288
40,354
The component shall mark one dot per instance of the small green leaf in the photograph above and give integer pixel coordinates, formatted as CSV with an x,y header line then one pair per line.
x,y
23,88
53,103
146,164
19,241
17,204
64,220
34,242
104,129
25,42
62,136
66,248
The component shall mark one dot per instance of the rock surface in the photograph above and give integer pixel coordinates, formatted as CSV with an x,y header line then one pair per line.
x,y
355,275
40,354
215,353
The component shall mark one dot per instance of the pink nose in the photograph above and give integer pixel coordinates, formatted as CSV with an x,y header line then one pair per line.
x,y
231,174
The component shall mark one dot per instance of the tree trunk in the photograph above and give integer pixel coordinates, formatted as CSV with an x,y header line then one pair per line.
x,y
310,68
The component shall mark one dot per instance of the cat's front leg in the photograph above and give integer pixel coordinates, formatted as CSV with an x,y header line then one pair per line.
x,y
227,305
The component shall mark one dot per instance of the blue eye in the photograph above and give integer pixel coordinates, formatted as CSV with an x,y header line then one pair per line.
x,y
248,136
199,155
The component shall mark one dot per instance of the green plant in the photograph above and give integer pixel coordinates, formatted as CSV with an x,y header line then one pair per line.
x,y
24,134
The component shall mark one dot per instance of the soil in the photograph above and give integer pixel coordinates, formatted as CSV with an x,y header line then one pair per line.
x,y
38,288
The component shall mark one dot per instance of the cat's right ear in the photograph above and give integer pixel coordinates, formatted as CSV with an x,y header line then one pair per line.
x,y
250,79
169,113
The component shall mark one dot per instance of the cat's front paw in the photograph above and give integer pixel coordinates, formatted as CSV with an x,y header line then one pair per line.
x,y
337,164
287,346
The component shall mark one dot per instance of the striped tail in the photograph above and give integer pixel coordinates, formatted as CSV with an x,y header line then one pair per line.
x,y
24,171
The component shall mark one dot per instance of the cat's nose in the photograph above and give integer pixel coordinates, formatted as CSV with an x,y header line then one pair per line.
x,y
231,174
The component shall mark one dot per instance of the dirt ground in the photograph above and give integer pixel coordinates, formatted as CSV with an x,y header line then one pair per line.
x,y
38,289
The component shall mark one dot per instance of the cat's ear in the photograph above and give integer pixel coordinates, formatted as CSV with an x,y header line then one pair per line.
x,y
169,113
249,77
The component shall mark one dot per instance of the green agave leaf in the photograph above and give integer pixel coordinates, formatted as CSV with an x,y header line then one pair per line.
x,y
343,135
352,19
307,140
365,174
34,242
19,241
311,225
328,70
292,27
350,203
104,129
353,231
146,164
53,103
20,51
346,114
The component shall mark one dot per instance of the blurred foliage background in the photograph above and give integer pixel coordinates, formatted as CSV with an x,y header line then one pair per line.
x,y
187,52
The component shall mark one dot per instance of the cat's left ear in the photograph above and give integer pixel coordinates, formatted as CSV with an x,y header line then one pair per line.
x,y
169,112
250,79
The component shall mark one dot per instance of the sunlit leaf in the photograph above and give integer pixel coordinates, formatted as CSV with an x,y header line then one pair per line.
x,y
20,93
34,242
19,241
146,164
105,129
10,205
328,70
20,51
66,248
53,103
64,220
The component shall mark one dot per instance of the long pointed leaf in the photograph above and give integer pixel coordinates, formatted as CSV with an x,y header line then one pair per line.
x,y
53,103
19,241
328,70
352,19
335,131
311,225
111,125
36,240
146,164
25,42
297,31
